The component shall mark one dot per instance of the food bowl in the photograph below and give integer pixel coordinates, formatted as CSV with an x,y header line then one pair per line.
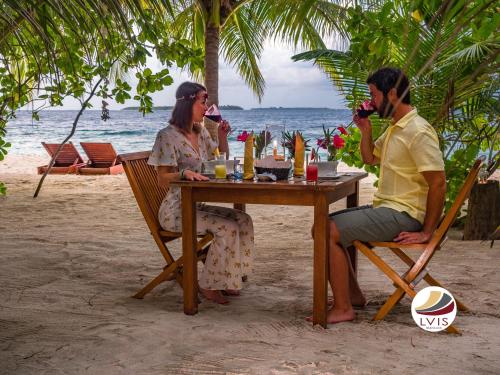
x,y
281,169
280,173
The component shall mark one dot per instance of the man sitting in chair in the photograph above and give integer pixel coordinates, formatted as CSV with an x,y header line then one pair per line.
x,y
411,189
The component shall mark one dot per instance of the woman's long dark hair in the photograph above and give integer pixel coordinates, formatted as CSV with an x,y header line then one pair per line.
x,y
182,114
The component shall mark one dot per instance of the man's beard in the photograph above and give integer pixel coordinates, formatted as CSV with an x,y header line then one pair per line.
x,y
385,109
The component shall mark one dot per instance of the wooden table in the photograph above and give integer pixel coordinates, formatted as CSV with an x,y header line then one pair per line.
x,y
296,192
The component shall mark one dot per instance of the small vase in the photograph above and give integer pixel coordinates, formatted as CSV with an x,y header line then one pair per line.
x,y
327,168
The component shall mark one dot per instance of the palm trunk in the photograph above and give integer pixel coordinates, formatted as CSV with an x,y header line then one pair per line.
x,y
212,63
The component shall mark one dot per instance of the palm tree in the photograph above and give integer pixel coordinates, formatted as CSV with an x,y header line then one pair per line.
x,y
237,29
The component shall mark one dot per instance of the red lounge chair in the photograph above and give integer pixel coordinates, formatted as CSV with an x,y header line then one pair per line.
x,y
68,161
102,159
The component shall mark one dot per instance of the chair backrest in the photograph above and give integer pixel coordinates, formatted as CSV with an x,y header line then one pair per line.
x,y
462,195
101,155
144,183
69,154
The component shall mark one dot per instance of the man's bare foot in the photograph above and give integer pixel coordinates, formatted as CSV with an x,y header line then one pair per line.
x,y
231,292
214,295
336,315
356,301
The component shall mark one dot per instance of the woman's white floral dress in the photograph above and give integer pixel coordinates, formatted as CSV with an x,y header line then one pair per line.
x,y
231,253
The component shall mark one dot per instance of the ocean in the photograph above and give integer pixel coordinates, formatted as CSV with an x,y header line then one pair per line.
x,y
129,131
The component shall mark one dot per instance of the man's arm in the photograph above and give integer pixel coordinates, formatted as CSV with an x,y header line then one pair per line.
x,y
366,145
434,208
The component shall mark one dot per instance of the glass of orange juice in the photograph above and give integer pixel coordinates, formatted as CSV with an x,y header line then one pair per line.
x,y
220,166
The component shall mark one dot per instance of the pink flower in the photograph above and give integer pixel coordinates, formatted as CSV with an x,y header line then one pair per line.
x,y
342,130
322,143
243,136
338,142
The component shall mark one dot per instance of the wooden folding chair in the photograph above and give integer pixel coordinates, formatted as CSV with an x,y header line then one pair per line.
x,y
143,181
68,161
406,283
102,159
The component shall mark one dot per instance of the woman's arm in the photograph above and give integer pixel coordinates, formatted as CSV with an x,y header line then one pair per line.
x,y
223,130
168,174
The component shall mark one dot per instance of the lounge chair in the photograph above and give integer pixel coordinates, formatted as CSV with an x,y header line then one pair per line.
x,y
68,161
102,159
406,283
144,183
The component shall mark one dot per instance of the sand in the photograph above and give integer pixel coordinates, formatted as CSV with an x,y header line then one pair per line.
x,y
72,258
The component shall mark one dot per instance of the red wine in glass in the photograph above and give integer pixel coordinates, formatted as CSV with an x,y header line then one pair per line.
x,y
366,109
213,113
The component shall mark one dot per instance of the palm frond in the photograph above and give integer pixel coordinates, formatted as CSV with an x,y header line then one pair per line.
x,y
241,45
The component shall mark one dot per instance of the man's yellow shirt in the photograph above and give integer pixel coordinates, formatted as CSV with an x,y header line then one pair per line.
x,y
405,149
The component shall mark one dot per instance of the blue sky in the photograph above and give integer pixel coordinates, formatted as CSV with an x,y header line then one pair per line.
x,y
288,84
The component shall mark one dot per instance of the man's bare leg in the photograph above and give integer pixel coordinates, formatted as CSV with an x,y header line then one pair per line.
x,y
355,293
342,310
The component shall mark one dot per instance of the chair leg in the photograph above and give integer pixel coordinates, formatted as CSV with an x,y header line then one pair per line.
x,y
389,304
428,278
156,281
385,268
453,329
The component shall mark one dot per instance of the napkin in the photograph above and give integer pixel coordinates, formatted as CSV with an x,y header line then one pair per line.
x,y
248,159
298,169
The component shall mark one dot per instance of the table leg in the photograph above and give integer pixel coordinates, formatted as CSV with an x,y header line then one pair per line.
x,y
240,206
353,199
190,272
321,256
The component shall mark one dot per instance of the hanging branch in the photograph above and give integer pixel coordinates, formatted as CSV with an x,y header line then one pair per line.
x,y
73,129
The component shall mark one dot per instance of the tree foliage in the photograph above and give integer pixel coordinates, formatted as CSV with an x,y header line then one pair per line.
x,y
450,51
52,50
237,29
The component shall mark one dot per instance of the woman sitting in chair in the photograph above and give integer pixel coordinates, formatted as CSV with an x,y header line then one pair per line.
x,y
178,153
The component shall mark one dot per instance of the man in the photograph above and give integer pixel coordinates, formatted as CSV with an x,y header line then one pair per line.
x,y
411,191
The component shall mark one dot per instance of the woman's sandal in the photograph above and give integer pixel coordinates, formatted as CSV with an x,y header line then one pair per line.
x,y
231,292
214,296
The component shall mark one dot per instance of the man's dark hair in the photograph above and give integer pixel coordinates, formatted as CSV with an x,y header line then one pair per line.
x,y
182,113
386,79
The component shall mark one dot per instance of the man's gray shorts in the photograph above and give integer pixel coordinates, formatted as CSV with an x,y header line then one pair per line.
x,y
366,224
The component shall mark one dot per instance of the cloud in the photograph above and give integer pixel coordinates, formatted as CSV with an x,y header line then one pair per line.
x,y
288,84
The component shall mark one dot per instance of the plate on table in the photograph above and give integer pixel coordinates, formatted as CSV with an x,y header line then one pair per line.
x,y
328,176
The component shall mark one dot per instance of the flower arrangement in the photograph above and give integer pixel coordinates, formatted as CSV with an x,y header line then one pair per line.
x,y
289,142
331,142
261,140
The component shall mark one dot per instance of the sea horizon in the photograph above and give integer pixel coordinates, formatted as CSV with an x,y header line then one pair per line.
x,y
130,131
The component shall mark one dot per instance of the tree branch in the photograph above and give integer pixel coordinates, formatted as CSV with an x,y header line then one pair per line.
x,y
73,129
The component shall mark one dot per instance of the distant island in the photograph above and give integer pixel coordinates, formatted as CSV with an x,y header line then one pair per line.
x,y
169,107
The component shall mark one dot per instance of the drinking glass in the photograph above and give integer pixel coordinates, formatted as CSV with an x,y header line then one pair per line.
x,y
220,166
274,145
312,172
213,113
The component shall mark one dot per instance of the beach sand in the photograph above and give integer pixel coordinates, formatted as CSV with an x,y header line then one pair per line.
x,y
72,258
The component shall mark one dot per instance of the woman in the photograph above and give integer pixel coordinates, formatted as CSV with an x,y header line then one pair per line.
x,y
178,153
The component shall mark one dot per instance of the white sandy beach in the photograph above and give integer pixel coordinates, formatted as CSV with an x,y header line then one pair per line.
x,y
71,259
